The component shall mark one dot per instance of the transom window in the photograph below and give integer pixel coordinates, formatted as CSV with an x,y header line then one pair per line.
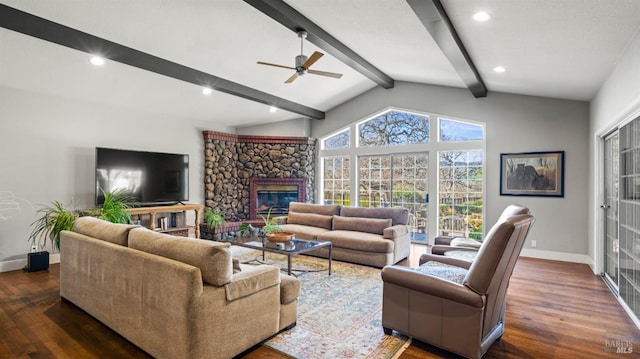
x,y
451,130
392,158
339,140
394,128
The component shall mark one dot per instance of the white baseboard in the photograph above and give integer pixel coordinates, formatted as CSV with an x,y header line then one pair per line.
x,y
17,264
558,256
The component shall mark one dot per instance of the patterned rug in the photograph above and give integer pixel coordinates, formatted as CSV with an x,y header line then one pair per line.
x,y
339,315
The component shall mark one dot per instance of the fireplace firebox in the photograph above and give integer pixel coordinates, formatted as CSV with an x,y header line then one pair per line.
x,y
274,194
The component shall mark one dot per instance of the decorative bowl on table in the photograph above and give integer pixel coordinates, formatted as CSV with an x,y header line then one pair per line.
x,y
280,237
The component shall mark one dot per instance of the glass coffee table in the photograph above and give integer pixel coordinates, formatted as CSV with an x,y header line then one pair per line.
x,y
290,249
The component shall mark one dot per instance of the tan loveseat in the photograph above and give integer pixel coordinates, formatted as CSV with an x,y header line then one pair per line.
x,y
173,297
371,236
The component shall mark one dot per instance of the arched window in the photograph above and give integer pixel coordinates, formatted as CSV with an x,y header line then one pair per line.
x,y
389,163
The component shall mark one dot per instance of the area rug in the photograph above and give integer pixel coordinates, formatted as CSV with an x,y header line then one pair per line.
x,y
339,315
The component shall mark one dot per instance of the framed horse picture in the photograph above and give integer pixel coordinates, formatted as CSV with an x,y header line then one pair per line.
x,y
532,174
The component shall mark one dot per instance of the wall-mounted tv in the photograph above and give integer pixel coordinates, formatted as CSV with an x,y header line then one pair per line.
x,y
150,178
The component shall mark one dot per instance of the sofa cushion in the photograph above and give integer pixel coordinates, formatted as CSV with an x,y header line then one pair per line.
x,y
213,258
358,241
106,231
358,224
310,219
397,215
325,209
303,232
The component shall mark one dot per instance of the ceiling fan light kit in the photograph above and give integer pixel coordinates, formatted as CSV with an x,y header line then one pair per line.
x,y
303,63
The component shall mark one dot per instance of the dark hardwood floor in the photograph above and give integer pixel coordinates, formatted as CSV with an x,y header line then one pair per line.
x,y
554,310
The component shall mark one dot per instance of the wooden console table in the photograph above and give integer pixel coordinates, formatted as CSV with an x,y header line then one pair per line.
x,y
152,211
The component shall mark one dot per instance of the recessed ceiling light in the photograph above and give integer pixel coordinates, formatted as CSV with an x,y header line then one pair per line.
x,y
97,60
499,69
481,16
273,109
207,91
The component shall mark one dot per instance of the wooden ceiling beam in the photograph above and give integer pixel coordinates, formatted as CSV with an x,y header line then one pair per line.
x,y
295,21
28,24
435,19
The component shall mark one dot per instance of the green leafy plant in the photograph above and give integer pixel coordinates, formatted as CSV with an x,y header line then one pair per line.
x,y
115,206
214,218
53,220
245,228
270,224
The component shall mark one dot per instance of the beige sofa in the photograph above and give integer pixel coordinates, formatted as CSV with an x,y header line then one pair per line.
x,y
371,236
173,297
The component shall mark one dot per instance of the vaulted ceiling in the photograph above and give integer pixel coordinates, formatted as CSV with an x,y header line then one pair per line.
x,y
553,48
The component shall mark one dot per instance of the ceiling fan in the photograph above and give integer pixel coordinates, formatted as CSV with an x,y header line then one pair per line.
x,y
303,63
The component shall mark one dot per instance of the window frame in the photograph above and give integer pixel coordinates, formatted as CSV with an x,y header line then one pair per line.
x,y
433,147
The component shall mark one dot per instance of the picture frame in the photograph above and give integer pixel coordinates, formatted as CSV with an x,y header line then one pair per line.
x,y
532,174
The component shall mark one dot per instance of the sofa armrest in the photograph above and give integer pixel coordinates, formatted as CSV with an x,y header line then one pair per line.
x,y
445,260
437,287
443,240
395,231
250,280
282,220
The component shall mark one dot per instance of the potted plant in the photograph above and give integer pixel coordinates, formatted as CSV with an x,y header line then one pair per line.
x,y
246,229
273,231
115,206
53,220
213,219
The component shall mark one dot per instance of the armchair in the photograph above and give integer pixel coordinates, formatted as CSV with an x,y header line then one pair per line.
x,y
464,317
444,244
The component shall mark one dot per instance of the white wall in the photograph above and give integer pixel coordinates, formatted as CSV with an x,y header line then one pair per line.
x,y
47,147
514,124
617,101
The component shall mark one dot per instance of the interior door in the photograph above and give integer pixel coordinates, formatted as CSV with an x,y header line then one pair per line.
x,y
610,208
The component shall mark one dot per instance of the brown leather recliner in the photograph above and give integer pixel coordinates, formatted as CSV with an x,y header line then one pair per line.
x,y
444,244
465,318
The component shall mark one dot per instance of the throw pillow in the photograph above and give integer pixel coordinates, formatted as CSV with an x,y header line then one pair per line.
x,y
236,266
310,219
360,224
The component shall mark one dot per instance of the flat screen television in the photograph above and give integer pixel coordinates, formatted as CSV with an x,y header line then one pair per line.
x,y
150,178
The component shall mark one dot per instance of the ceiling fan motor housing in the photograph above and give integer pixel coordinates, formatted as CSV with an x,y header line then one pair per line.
x,y
300,60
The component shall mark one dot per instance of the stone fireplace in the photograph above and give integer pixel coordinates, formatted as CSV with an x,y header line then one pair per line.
x,y
233,161
274,194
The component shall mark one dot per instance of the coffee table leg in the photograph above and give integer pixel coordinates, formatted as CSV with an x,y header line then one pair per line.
x,y
330,257
289,264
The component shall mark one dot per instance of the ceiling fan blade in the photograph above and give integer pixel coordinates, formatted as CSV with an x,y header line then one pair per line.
x,y
325,73
312,59
293,77
275,65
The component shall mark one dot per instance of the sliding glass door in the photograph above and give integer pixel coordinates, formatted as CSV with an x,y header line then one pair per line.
x,y
610,208
399,180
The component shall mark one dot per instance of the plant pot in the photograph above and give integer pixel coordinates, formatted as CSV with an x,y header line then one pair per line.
x,y
280,237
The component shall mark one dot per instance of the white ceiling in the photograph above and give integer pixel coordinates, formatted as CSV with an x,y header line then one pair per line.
x,y
552,48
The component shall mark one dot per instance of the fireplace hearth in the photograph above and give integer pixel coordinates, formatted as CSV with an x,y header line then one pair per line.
x,y
274,194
